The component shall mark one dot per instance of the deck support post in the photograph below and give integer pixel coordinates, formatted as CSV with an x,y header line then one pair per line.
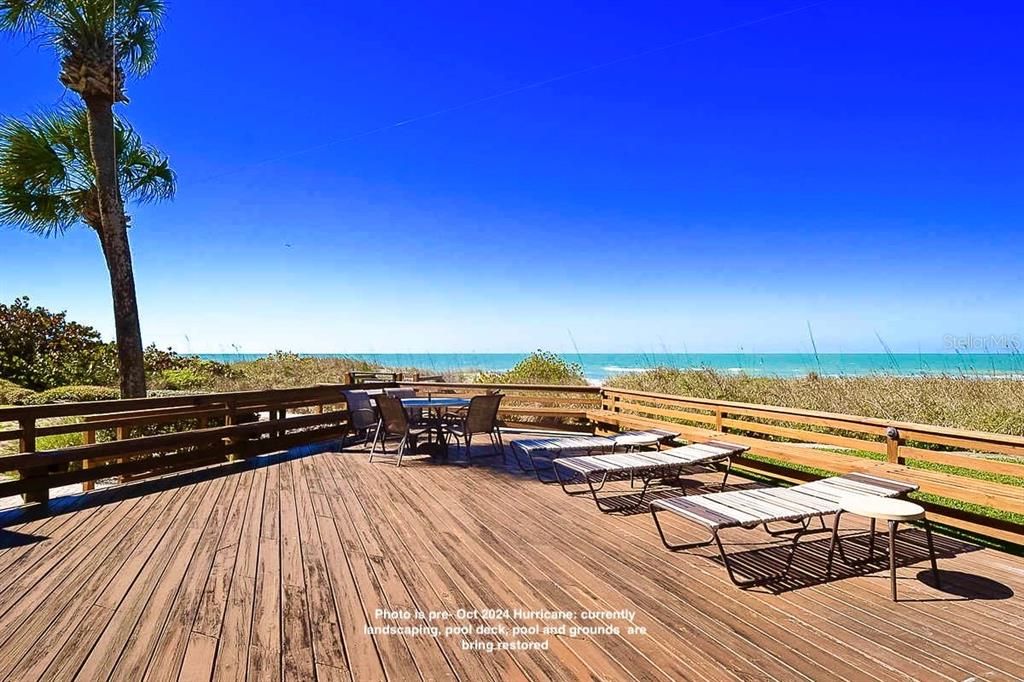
x,y
27,445
90,439
892,445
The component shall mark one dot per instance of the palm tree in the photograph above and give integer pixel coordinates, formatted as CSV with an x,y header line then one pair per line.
x,y
98,42
48,181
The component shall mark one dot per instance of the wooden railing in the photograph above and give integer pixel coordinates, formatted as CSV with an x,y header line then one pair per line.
x,y
149,436
141,437
973,467
371,377
360,377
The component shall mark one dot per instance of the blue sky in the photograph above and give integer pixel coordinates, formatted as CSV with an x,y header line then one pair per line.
x,y
856,166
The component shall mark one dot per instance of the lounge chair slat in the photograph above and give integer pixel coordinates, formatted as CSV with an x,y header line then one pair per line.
x,y
775,506
704,515
740,516
798,503
761,509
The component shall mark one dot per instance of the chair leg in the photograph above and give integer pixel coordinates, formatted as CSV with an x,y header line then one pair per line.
x,y
380,438
675,548
373,446
501,445
728,468
931,550
725,557
401,449
536,469
753,582
871,542
832,546
604,479
893,525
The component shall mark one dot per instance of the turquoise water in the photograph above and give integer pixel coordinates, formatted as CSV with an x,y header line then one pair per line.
x,y
600,366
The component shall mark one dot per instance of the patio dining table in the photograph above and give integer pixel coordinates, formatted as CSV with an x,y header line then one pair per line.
x,y
436,407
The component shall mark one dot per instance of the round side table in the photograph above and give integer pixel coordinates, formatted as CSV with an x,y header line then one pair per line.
x,y
876,509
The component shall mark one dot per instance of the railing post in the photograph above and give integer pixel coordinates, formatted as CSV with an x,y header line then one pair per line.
x,y
229,420
27,444
349,379
892,445
121,433
90,439
718,420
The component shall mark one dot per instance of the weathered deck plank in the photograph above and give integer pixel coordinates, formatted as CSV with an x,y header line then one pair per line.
x,y
274,572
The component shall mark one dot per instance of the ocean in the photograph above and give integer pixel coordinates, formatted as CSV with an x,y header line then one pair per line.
x,y
598,367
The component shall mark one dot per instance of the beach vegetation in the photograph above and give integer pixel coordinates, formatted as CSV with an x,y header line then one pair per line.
x,y
43,353
286,370
964,400
13,394
539,367
73,394
40,349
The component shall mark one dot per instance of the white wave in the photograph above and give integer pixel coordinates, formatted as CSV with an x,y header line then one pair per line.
x,y
615,368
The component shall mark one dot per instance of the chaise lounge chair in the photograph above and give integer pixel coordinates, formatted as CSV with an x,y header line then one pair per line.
x,y
647,466
528,452
751,508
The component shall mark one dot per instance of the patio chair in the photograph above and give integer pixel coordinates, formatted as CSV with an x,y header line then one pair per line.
x,y
394,422
749,509
647,466
362,417
481,417
529,452
415,413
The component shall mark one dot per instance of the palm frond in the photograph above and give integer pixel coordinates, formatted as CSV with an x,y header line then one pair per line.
x,y
21,16
122,30
145,171
47,178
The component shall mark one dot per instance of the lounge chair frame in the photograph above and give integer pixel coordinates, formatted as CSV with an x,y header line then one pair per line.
x,y
570,446
822,503
646,466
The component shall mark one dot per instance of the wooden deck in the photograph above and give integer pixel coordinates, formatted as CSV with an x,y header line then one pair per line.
x,y
275,568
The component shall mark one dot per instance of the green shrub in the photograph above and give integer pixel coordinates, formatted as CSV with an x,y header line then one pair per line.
x,y
13,394
61,440
40,349
539,367
73,394
287,370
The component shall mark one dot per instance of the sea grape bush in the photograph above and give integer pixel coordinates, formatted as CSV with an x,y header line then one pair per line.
x,y
539,367
40,349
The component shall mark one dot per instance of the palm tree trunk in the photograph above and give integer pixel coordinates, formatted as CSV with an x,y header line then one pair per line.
x,y
116,250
